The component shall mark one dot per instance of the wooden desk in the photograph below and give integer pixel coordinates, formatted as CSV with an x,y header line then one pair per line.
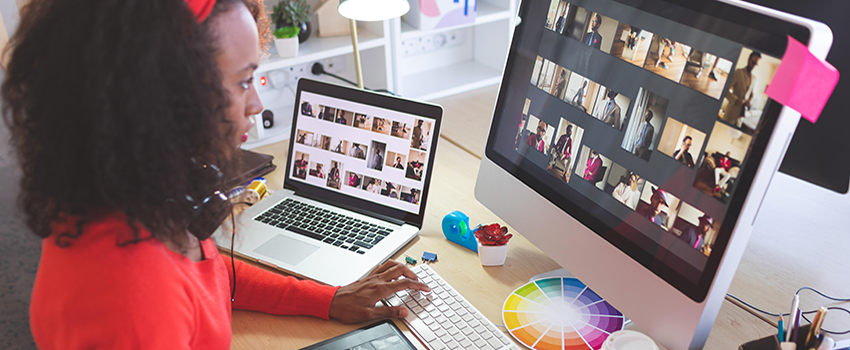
x,y
773,267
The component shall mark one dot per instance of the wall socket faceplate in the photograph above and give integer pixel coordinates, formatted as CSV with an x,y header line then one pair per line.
x,y
288,76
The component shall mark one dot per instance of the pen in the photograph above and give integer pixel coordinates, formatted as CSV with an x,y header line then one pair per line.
x,y
781,327
814,329
792,317
796,331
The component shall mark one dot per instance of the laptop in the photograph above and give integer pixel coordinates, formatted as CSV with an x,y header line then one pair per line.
x,y
357,180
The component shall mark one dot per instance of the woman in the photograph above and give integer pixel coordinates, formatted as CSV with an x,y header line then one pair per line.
x,y
627,193
117,120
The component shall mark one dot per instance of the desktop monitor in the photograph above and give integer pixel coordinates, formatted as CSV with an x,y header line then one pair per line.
x,y
632,141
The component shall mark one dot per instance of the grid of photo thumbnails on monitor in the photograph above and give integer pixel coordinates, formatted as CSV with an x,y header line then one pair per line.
x,y
362,151
670,164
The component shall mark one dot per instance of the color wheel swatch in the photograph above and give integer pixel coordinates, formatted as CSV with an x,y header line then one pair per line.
x,y
559,313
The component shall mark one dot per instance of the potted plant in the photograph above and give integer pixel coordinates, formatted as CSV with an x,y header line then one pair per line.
x,y
492,244
293,13
286,41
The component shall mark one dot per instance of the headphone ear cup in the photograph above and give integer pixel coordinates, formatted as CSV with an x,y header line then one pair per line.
x,y
212,213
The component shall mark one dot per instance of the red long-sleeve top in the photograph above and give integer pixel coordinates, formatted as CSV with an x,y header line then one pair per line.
x,y
98,293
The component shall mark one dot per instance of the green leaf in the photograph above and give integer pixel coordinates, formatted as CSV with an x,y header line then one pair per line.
x,y
286,32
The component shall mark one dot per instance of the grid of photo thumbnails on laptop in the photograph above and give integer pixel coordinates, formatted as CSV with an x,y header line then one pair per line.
x,y
657,136
363,151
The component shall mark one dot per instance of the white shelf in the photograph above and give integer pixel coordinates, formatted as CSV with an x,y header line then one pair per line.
x,y
486,13
317,48
449,80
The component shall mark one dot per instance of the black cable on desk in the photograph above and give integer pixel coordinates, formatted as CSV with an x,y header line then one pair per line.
x,y
804,312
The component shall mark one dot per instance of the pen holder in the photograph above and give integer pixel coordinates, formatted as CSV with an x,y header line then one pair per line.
x,y
772,342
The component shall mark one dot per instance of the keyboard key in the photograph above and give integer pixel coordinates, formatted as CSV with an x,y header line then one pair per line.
x,y
466,344
494,342
362,244
480,343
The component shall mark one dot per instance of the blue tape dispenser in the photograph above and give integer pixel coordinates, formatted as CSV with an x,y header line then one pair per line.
x,y
456,229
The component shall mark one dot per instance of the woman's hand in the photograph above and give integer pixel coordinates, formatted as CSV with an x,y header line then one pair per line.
x,y
356,302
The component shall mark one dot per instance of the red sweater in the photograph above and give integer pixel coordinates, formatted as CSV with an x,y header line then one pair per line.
x,y
95,294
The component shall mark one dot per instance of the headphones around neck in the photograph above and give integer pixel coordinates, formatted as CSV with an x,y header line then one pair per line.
x,y
209,211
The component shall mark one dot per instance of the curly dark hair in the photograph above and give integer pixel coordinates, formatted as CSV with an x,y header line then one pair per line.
x,y
110,103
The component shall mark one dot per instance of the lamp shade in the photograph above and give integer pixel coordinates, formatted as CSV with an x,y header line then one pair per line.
x,y
372,10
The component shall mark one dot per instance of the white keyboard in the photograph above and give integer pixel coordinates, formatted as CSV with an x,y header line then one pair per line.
x,y
443,319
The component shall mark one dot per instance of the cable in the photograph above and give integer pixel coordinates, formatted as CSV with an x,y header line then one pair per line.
x,y
232,262
804,312
319,69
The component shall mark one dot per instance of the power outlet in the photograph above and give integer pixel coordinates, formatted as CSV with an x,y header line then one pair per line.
x,y
280,78
432,42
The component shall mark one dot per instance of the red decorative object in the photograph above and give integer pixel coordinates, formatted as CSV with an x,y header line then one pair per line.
x,y
492,235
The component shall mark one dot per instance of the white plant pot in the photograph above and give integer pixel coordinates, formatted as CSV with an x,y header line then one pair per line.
x,y
287,47
492,255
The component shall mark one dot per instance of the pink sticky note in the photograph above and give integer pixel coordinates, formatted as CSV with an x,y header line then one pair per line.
x,y
803,82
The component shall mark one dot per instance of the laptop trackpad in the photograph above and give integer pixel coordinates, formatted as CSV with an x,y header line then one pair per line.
x,y
288,250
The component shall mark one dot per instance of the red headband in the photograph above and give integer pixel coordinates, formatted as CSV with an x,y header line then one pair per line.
x,y
201,8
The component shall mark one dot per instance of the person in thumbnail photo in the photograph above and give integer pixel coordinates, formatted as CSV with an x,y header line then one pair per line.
x,y
722,173
399,164
740,94
562,17
696,236
628,193
300,165
317,171
307,109
610,113
377,160
354,179
645,135
683,154
578,98
328,114
415,165
594,163
654,211
560,83
373,185
593,38
409,194
537,139
562,150
334,175
361,121
326,143
417,138
358,151
724,154
400,130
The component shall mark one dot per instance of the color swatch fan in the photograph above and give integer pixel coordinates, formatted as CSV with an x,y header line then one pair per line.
x,y
560,313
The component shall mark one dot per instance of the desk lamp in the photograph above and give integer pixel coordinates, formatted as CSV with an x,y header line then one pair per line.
x,y
368,10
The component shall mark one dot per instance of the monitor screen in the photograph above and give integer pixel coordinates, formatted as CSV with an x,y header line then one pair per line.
x,y
362,151
645,120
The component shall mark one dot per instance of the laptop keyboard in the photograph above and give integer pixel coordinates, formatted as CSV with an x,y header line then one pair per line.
x,y
443,319
336,229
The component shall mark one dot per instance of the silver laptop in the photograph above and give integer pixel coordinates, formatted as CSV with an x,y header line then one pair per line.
x,y
357,177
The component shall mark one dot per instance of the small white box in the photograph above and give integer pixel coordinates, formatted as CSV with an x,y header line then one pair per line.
x,y
431,14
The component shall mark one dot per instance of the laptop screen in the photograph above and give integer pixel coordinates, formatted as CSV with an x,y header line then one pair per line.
x,y
360,150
